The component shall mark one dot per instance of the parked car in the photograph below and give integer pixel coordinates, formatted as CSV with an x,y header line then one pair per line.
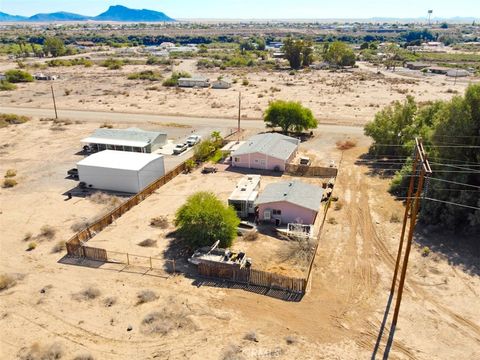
x,y
193,140
180,148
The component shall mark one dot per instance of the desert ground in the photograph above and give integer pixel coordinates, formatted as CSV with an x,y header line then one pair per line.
x,y
109,311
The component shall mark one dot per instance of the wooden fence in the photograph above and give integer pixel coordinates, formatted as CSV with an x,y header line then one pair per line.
x,y
310,171
251,276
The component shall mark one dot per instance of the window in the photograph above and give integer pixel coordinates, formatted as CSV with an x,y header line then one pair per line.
x,y
276,212
237,159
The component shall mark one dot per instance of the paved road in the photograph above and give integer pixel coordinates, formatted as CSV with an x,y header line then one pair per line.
x,y
206,122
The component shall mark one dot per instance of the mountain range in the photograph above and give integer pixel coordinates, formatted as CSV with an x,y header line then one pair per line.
x,y
114,13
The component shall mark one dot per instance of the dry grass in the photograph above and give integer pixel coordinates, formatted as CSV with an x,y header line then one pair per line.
x,y
84,356
146,296
251,235
165,321
110,301
346,144
233,352
90,293
298,251
11,173
291,340
148,243
338,205
79,225
251,336
59,247
160,222
7,281
27,236
105,199
332,221
38,352
9,183
47,232
394,218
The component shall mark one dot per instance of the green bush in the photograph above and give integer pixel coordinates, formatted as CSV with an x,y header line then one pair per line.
x,y
204,219
153,60
6,86
12,119
173,80
145,75
18,76
113,64
289,115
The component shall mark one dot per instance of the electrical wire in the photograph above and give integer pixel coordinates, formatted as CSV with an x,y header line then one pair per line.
x,y
441,201
450,182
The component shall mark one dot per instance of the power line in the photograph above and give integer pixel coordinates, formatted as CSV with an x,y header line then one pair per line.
x,y
433,146
451,182
455,166
443,201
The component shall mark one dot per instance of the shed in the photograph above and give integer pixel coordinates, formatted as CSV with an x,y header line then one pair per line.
x,y
268,151
194,82
121,171
245,194
131,139
221,84
438,70
415,65
289,202
458,73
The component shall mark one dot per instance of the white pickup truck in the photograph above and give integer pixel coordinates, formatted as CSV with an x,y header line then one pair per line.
x,y
193,140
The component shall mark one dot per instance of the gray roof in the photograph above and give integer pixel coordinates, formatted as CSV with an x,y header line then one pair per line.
x,y
132,134
271,144
294,192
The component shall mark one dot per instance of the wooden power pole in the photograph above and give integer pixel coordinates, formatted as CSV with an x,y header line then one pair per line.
x,y
411,210
54,104
239,113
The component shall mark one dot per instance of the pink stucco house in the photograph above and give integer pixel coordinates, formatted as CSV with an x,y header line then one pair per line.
x,y
289,202
268,151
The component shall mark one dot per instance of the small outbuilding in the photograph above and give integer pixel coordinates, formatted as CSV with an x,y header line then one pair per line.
x,y
197,81
415,65
268,151
245,194
131,139
221,84
289,202
457,73
41,76
120,171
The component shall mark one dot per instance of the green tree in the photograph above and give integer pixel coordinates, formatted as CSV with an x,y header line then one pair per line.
x,y
204,219
340,54
298,52
217,138
18,76
289,116
54,46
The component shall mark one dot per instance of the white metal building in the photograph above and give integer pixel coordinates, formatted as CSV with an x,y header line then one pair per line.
x,y
196,81
121,171
245,194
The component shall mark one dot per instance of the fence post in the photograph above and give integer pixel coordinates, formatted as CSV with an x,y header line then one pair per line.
x,y
151,263
128,260
174,266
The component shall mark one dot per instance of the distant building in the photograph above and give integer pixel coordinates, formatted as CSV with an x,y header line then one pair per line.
x,y
243,197
458,73
268,151
197,81
415,65
41,76
221,84
131,139
438,70
120,171
289,202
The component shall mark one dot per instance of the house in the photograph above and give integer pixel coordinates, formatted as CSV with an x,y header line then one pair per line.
x,y
121,171
415,65
289,202
131,139
197,81
221,84
245,194
269,151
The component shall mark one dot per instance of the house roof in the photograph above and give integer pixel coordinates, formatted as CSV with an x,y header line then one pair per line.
x,y
122,160
271,144
125,137
294,192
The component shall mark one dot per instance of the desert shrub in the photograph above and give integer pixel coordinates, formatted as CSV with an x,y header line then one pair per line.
x,y
251,235
332,221
6,86
113,64
37,352
11,173
290,340
59,247
110,301
425,251
145,75
394,218
12,119
153,60
106,125
159,222
190,164
105,199
47,232
6,281
245,82
232,352
27,236
67,92
166,320
79,225
18,76
251,336
31,246
89,293
148,243
146,296
9,183
173,80
346,144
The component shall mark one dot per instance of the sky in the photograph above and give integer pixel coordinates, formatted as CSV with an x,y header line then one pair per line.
x,y
257,9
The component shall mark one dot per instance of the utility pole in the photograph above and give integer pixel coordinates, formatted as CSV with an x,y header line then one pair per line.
x,y
54,104
239,113
425,171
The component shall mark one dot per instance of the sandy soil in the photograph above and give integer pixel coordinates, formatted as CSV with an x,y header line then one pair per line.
x,y
48,308
350,97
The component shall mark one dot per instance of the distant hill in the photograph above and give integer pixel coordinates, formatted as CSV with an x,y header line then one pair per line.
x,y
122,13
57,16
8,17
114,13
